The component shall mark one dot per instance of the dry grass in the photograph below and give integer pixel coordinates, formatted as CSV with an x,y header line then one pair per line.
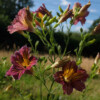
x,y
7,54
86,62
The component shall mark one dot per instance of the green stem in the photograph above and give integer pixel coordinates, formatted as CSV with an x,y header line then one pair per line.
x,y
82,44
27,36
31,45
40,90
66,47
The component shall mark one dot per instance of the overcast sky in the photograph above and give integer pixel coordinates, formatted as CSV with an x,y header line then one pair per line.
x,y
53,5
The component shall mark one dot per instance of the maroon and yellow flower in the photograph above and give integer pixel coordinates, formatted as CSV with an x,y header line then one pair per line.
x,y
40,12
71,77
80,12
22,22
43,10
22,63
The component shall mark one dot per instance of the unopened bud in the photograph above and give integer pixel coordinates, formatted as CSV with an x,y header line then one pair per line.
x,y
90,42
56,25
51,51
52,20
38,19
81,30
61,63
58,14
97,58
45,17
48,18
36,44
60,9
59,49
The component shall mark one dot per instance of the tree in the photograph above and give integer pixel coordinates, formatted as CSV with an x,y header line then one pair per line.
x,y
11,7
8,10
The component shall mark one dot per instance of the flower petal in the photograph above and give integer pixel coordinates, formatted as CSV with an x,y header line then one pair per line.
x,y
67,88
58,77
16,72
78,85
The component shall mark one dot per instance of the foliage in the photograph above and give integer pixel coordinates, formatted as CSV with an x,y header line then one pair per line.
x,y
63,73
8,10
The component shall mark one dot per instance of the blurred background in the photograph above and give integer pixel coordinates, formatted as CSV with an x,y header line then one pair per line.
x,y
9,8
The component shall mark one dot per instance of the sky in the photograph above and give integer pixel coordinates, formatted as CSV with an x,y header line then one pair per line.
x,y
52,5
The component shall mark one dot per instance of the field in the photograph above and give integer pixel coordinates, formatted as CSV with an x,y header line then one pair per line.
x,y
27,87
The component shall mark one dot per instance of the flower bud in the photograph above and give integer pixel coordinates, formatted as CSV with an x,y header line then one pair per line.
x,y
36,44
60,9
58,14
52,20
44,17
56,25
61,63
90,42
97,58
38,19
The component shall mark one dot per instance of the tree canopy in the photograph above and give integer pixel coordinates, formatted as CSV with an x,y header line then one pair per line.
x,y
11,7
8,10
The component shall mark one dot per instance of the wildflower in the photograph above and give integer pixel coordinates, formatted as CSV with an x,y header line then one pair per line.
x,y
22,63
80,12
40,12
96,29
22,22
42,9
71,77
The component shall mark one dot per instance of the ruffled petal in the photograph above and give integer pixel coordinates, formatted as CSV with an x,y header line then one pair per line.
x,y
67,88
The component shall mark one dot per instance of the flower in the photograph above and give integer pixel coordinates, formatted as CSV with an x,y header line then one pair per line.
x,y
96,29
71,77
22,22
40,12
22,63
42,9
67,14
80,12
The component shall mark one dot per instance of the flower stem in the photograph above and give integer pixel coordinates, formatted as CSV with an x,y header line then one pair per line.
x,y
67,40
40,90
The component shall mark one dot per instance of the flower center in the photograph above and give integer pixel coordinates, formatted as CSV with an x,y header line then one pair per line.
x,y
68,73
66,79
25,62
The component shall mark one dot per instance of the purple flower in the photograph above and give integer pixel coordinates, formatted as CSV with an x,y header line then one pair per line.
x,y
22,22
42,9
71,77
80,12
22,63
40,12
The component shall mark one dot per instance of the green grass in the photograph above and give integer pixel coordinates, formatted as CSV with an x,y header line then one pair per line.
x,y
27,88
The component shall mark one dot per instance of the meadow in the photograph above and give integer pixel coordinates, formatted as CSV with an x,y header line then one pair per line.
x,y
27,88
61,71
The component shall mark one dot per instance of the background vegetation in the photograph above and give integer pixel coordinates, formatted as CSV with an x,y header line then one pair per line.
x,y
8,10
